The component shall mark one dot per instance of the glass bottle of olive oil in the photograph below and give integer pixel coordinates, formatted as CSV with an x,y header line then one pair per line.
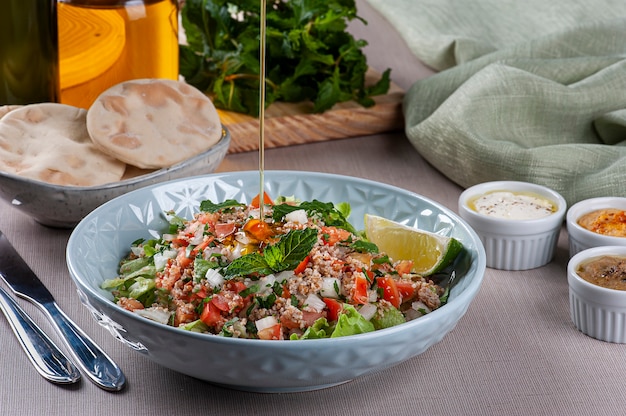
x,y
105,42
28,52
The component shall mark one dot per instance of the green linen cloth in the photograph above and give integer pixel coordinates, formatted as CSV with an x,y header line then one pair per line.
x,y
531,90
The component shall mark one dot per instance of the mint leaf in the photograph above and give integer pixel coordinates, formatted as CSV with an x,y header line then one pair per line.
x,y
247,264
286,254
291,249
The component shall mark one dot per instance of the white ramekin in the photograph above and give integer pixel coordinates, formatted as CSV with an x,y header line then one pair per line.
x,y
580,238
515,244
597,311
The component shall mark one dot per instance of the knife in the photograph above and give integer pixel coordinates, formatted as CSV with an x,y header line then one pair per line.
x,y
94,362
45,356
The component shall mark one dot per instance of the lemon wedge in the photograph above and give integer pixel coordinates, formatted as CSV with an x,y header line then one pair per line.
x,y
429,252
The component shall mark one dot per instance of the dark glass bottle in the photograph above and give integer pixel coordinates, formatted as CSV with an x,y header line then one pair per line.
x,y
28,52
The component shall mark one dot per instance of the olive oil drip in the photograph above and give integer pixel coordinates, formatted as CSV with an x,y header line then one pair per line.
x,y
262,46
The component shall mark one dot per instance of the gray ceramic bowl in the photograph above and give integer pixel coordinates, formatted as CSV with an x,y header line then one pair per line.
x,y
101,239
64,206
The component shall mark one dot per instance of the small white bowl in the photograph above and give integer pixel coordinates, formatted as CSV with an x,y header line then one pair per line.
x,y
513,244
579,237
597,311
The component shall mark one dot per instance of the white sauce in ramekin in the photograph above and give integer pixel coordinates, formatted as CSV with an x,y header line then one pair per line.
x,y
513,206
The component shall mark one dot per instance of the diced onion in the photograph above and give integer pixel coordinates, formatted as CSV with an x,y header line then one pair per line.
x,y
168,237
242,238
330,286
314,302
264,323
214,278
198,237
161,258
372,295
136,250
283,276
160,315
298,216
237,250
368,311
420,306
266,283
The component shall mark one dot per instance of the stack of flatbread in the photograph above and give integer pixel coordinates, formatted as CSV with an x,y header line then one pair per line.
x,y
134,126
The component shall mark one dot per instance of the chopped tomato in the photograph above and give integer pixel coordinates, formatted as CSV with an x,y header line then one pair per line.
x,y
235,286
201,293
360,291
180,242
390,290
182,259
289,323
334,308
257,199
406,290
207,217
333,235
220,302
224,229
259,230
302,266
286,293
404,267
274,332
211,315
310,317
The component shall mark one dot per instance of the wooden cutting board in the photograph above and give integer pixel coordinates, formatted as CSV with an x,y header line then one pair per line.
x,y
290,124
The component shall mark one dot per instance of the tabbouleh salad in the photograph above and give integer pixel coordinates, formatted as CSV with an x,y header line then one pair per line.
x,y
301,272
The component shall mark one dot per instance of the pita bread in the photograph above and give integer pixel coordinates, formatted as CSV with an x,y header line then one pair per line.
x,y
153,123
49,142
6,109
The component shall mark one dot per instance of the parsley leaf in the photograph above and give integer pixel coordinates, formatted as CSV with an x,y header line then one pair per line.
x,y
209,206
331,215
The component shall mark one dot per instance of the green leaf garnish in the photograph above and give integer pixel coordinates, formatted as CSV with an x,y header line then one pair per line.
x,y
286,254
209,206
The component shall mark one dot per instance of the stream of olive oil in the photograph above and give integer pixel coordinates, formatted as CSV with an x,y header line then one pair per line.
x,y
262,51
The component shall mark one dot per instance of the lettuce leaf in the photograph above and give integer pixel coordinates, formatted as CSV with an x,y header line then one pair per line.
x,y
351,322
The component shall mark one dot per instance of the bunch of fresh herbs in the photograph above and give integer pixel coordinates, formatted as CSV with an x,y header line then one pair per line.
x,y
309,53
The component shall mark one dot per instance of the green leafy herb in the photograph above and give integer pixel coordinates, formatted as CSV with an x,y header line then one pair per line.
x,y
363,246
310,55
285,254
209,206
201,267
327,211
247,264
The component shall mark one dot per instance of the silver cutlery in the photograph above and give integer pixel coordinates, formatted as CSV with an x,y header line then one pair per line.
x,y
94,362
45,356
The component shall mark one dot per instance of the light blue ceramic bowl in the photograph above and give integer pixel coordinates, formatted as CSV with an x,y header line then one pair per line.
x,y
103,237
64,206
